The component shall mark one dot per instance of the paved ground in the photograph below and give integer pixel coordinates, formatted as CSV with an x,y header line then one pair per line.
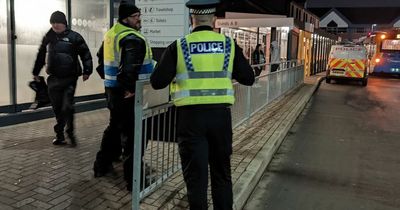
x,y
37,175
341,154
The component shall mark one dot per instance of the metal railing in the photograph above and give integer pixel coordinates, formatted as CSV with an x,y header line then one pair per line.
x,y
155,127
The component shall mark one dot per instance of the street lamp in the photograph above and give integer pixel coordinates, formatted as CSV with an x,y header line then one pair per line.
x,y
373,27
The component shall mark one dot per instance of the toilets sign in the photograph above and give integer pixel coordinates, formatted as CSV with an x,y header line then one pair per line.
x,y
163,21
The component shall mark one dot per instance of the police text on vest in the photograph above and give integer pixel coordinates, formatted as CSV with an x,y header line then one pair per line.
x,y
206,47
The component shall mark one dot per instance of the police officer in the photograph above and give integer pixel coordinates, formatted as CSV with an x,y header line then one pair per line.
x,y
203,64
125,53
63,46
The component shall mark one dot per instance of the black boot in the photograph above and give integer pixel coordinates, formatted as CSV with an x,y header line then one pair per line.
x,y
100,170
59,140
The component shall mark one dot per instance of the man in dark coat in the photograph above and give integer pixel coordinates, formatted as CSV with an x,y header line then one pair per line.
x,y
258,57
63,46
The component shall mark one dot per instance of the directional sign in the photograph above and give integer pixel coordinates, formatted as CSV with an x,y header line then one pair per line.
x,y
152,2
163,9
163,21
156,41
162,31
170,20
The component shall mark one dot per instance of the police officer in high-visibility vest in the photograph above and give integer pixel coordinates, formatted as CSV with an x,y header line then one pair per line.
x,y
124,56
199,68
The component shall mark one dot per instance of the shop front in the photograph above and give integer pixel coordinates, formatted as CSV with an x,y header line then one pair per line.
x,y
304,53
251,29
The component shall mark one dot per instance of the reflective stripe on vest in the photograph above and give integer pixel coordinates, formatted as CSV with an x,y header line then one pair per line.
x,y
213,92
205,84
112,54
197,75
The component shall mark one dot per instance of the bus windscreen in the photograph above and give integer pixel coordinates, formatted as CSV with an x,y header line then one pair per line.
x,y
391,44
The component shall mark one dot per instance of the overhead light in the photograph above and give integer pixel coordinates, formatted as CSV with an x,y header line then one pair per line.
x,y
383,36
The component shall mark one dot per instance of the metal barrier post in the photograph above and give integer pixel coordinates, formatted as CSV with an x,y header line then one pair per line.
x,y
268,84
292,76
297,75
137,151
287,80
280,82
248,105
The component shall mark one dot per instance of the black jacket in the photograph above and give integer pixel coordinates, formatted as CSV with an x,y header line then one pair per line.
x,y
258,57
133,50
62,55
165,69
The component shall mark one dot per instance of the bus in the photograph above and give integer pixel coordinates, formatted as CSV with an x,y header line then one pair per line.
x,y
385,52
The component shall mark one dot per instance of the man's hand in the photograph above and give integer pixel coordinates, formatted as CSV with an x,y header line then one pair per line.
x,y
85,77
36,78
128,94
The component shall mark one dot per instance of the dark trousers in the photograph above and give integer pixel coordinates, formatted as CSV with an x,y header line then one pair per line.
x,y
205,138
119,132
274,67
61,94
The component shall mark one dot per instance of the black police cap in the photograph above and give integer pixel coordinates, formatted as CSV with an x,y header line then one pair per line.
x,y
202,7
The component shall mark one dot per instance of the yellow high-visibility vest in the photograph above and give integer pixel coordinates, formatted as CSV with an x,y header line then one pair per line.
x,y
112,54
204,69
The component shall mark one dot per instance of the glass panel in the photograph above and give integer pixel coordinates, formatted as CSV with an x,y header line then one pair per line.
x,y
4,59
91,18
31,25
284,33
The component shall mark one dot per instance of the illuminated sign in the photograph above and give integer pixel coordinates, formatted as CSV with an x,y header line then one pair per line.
x,y
255,22
391,44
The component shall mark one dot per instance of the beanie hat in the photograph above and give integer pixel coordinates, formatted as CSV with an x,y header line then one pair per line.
x,y
126,9
58,17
